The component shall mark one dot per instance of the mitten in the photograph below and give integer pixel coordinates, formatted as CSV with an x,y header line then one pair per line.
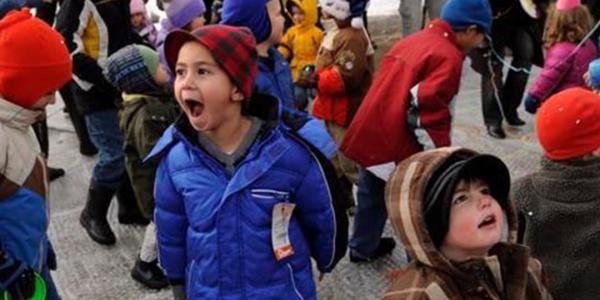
x,y
531,104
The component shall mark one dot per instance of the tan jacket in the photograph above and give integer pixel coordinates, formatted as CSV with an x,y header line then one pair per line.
x,y
20,159
507,273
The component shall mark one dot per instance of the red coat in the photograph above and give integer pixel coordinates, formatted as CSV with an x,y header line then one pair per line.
x,y
430,63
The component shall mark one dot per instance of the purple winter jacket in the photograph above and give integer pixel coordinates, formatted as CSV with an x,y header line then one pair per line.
x,y
560,73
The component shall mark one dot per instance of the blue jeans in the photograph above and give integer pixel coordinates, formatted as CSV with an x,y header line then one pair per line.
x,y
104,131
370,216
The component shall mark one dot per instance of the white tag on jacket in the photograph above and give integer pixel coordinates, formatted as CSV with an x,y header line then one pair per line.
x,y
282,214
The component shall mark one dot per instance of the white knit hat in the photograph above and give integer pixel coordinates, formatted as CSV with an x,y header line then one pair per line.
x,y
339,9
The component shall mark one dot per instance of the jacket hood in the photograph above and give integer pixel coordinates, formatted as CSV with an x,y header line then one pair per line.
x,y
16,116
405,193
310,11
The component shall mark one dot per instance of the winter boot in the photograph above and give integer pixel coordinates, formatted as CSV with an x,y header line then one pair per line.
x,y
149,274
93,216
129,212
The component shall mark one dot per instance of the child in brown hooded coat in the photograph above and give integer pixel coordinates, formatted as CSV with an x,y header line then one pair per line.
x,y
450,208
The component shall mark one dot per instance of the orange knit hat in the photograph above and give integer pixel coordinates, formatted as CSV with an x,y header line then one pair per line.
x,y
34,60
568,124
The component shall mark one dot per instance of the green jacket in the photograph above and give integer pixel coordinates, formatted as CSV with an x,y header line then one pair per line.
x,y
143,119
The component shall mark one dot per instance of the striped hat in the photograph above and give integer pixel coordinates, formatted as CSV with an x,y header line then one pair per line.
x,y
233,48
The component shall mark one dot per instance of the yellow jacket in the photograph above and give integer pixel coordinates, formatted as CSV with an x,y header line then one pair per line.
x,y
302,41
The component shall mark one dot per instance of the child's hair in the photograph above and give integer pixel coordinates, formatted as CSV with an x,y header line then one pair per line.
x,y
567,26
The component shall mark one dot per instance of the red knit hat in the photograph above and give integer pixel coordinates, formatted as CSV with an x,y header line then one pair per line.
x,y
233,48
34,60
568,124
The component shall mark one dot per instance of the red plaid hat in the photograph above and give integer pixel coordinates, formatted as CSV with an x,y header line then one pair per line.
x,y
233,48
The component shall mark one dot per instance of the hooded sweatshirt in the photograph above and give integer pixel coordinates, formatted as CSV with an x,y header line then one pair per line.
x,y
508,272
302,41
562,206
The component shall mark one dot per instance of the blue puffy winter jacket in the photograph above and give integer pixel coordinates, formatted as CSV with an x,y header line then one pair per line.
x,y
214,230
275,78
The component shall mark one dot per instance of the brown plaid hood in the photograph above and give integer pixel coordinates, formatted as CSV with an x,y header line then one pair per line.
x,y
404,195
507,273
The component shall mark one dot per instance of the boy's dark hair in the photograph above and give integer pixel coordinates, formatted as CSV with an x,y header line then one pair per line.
x,y
440,188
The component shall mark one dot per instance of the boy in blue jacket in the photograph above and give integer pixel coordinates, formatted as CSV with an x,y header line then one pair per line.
x,y
242,202
27,86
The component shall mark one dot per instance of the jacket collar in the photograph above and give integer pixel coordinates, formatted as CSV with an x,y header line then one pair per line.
x,y
262,106
16,116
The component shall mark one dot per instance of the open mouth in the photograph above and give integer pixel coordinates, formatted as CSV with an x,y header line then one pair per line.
x,y
194,107
488,221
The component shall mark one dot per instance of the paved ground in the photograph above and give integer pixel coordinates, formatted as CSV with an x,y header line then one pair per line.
x,y
89,271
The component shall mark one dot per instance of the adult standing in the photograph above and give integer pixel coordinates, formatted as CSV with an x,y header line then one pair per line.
x,y
93,30
413,13
517,25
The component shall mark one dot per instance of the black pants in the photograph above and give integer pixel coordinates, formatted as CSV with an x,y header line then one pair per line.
x,y
509,91
41,133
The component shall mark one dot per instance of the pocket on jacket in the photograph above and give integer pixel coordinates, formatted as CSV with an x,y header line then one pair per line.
x,y
270,194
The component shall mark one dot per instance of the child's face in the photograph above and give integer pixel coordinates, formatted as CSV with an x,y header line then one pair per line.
x,y
277,20
161,78
203,90
476,221
298,15
469,38
46,100
137,19
196,23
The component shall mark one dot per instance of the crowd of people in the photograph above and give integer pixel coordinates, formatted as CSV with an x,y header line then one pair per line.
x,y
237,130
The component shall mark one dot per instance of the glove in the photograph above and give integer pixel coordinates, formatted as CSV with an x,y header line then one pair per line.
x,y
309,77
531,104
16,277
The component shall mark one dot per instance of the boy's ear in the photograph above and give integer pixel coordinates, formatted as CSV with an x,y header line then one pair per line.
x,y
236,94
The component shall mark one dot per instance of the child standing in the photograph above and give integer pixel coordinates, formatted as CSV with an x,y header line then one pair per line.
x,y
409,109
566,62
344,67
561,201
141,23
300,45
24,246
147,110
237,193
181,14
450,208
264,19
